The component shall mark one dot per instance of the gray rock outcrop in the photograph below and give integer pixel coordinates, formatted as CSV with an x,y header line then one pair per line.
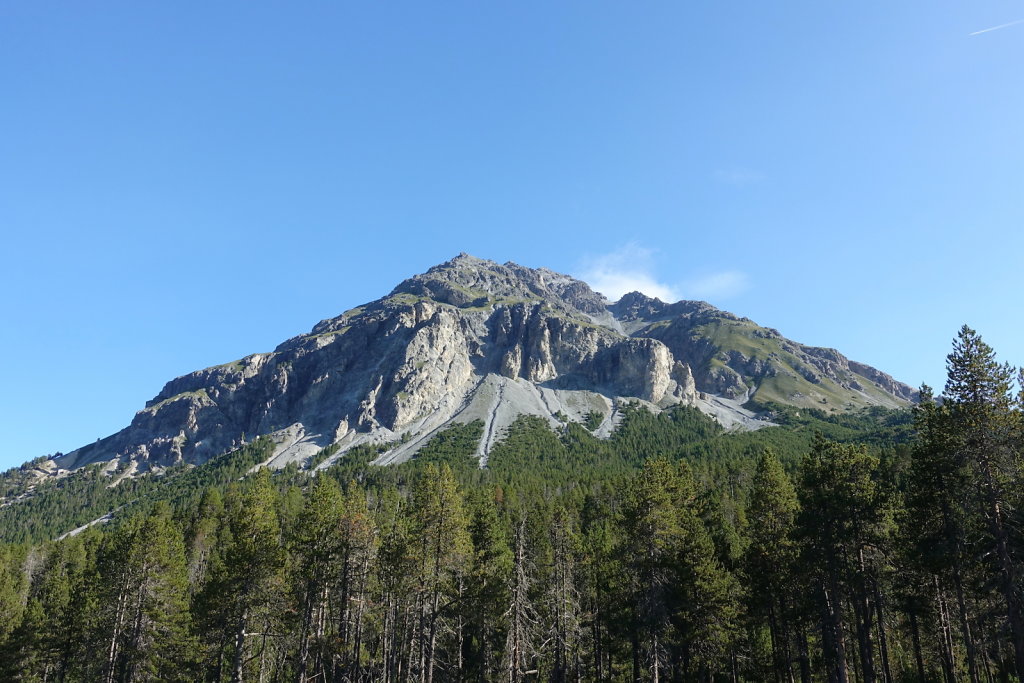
x,y
472,339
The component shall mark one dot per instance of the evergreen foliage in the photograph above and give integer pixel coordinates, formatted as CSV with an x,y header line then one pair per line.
x,y
878,546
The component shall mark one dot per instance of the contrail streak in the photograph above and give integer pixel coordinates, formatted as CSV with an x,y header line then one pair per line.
x,y
996,28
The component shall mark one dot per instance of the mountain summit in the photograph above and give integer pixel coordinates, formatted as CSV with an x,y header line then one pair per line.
x,y
471,339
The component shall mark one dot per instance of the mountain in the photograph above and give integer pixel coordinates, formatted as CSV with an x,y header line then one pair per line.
x,y
471,339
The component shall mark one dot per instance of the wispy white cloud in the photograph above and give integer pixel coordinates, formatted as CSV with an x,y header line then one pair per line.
x,y
627,269
996,28
631,268
738,176
717,286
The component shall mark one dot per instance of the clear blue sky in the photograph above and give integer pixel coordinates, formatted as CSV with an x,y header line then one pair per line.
x,y
182,184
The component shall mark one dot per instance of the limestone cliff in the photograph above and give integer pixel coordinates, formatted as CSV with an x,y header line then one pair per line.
x,y
472,339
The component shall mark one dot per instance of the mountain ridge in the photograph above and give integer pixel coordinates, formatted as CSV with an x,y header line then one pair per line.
x,y
473,339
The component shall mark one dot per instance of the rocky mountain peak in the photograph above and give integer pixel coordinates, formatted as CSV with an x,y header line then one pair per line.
x,y
638,306
468,281
472,339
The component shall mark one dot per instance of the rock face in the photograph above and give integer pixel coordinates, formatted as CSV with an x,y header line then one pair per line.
x,y
472,339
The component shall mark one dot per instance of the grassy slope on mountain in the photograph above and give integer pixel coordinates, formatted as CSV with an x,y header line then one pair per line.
x,y
787,382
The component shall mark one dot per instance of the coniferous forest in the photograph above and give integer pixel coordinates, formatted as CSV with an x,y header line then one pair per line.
x,y
876,546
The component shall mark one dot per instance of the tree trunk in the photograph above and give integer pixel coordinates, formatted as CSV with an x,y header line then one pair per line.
x,y
862,615
784,633
596,631
883,641
915,635
421,636
136,644
636,654
1007,576
948,660
838,630
263,652
304,637
360,605
239,659
386,640
965,625
805,657
460,637
654,657
433,636
773,634
112,649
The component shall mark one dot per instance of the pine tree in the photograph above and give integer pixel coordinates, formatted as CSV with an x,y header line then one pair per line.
x,y
708,611
357,537
144,624
251,583
396,582
771,555
843,519
49,642
441,547
685,601
563,598
652,538
942,524
13,588
333,548
317,544
487,581
201,540
603,609
522,634
979,397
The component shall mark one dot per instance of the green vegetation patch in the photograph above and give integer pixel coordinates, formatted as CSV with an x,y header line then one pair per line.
x,y
332,333
60,505
739,335
322,455
199,394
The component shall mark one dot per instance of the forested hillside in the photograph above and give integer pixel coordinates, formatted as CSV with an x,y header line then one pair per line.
x,y
871,546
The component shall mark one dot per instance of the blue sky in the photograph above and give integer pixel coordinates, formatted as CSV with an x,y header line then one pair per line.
x,y
182,184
